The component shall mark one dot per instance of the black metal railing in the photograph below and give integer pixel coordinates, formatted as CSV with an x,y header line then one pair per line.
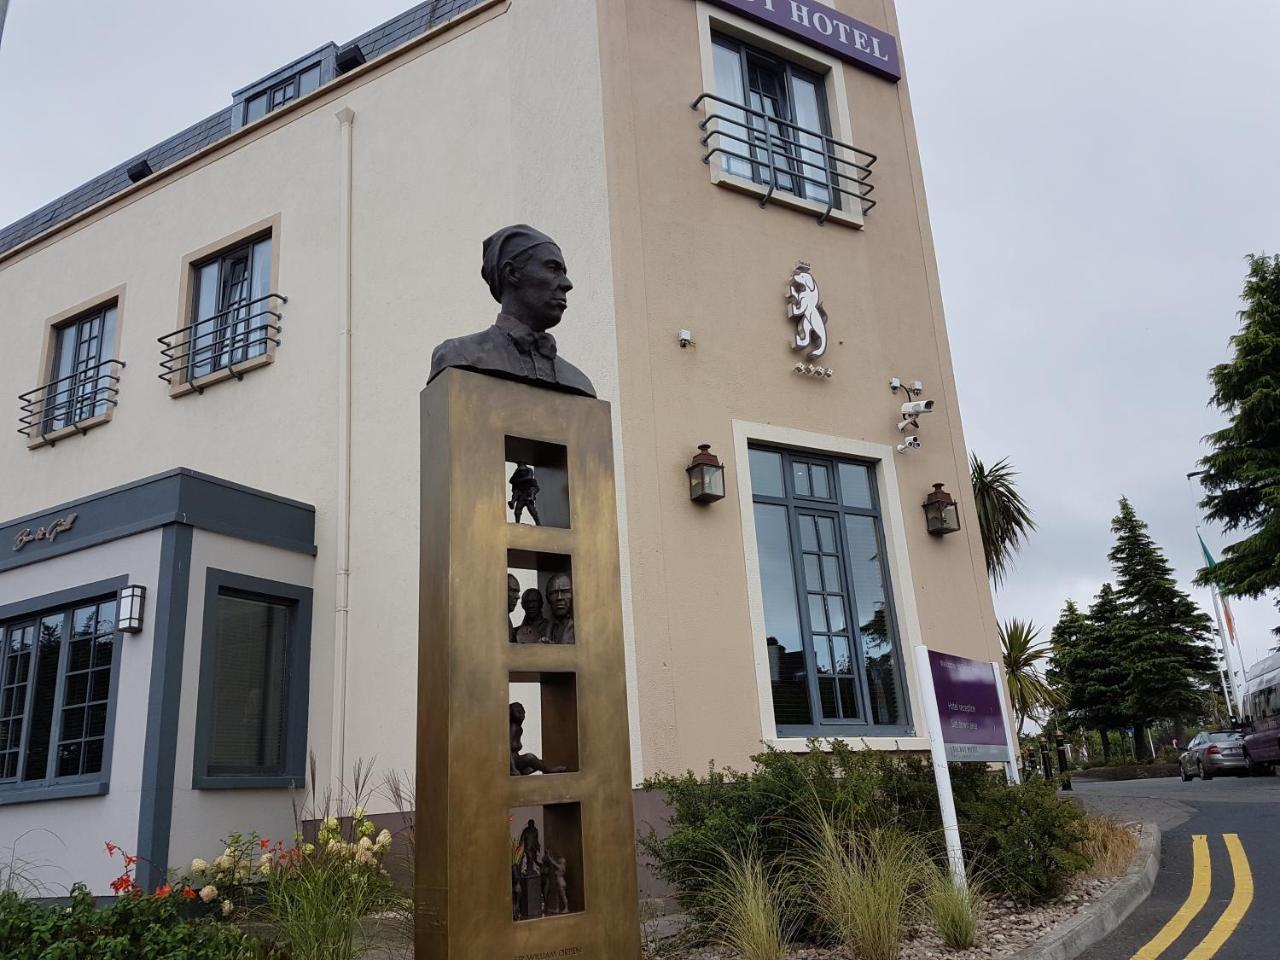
x,y
784,156
70,401
222,341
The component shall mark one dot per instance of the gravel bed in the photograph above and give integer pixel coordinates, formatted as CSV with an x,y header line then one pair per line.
x,y
1006,928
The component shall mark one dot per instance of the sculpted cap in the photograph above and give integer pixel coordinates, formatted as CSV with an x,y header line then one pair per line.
x,y
504,246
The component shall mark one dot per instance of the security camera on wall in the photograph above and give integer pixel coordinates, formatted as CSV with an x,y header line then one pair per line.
x,y
909,443
915,408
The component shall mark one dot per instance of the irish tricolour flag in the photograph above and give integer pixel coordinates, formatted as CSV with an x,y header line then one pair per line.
x,y
1226,607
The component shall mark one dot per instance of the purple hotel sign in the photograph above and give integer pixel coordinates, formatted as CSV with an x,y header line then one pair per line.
x,y
827,28
969,707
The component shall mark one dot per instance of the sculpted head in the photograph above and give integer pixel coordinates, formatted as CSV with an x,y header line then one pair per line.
x,y
560,595
513,592
526,273
531,602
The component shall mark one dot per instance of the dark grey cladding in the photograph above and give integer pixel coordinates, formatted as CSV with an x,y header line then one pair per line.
x,y
395,32
178,496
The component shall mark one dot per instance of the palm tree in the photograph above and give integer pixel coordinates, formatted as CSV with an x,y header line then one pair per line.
x,y
1003,516
1029,691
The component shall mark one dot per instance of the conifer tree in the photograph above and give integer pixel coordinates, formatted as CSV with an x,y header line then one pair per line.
x,y
1242,474
1086,666
1164,643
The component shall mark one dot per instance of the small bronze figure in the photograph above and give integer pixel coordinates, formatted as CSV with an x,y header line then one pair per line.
x,y
513,598
555,893
560,597
523,764
524,492
536,626
531,850
525,271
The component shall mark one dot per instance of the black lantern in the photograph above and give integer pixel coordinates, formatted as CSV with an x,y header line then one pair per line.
x,y
706,476
941,512
132,600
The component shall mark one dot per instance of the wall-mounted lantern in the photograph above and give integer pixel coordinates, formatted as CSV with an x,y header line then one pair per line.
x,y
132,600
706,476
941,512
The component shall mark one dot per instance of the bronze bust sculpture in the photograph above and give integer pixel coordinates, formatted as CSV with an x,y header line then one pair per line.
x,y
536,627
525,271
560,597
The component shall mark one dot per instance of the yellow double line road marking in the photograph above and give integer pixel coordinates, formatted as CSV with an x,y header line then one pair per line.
x,y
1201,881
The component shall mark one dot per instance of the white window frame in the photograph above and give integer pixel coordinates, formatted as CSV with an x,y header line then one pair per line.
x,y
901,585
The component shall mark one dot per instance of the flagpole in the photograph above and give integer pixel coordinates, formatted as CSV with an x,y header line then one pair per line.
x,y
1222,647
4,9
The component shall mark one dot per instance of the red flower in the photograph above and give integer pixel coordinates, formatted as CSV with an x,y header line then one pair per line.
x,y
264,843
111,849
121,884
163,890
188,893
130,860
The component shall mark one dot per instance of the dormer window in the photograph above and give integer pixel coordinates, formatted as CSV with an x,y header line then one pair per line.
x,y
298,85
291,82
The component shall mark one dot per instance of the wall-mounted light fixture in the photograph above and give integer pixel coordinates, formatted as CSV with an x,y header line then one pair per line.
x,y
941,512
132,600
706,476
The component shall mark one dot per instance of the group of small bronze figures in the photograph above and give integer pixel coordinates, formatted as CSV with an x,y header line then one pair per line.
x,y
538,886
524,492
537,627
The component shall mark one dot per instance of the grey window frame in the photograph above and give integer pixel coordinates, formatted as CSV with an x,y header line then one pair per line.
x,y
90,373
794,503
247,313
788,73
220,583
86,784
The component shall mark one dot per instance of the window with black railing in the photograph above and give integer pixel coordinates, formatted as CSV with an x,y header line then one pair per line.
x,y
767,121
235,316
83,377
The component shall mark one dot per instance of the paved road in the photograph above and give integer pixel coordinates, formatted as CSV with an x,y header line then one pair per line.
x,y
1218,893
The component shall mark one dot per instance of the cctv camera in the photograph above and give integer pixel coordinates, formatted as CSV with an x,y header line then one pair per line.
x,y
909,443
916,407
686,338
895,384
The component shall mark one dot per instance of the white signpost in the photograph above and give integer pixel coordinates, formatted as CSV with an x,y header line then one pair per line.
x,y
967,718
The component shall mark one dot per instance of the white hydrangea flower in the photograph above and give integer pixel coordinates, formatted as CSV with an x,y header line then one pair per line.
x,y
209,893
384,840
199,866
227,908
358,813
265,863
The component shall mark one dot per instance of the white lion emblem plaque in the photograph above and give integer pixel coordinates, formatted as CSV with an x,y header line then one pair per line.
x,y
804,307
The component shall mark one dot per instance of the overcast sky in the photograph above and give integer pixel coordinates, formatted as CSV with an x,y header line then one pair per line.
x,y
1096,173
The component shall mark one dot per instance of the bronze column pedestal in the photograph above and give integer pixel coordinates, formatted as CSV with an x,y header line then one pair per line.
x,y
465,792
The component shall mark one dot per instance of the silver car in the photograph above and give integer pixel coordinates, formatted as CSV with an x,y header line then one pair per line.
x,y
1214,752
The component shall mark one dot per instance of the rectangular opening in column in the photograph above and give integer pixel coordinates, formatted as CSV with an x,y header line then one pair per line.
x,y
537,482
546,861
539,598
544,723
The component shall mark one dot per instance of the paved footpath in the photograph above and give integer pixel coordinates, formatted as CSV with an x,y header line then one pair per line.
x,y
1218,893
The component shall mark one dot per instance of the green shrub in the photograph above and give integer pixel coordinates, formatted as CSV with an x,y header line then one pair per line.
x,y
1025,840
135,927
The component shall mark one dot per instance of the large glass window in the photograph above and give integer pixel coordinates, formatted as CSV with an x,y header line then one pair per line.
x,y
55,693
834,657
231,311
254,669
775,127
250,684
81,374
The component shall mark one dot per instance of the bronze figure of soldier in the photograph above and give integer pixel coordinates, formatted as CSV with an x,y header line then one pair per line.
x,y
523,764
531,850
526,273
560,597
524,492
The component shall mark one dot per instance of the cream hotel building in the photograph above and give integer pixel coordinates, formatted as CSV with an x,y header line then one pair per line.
x,y
214,352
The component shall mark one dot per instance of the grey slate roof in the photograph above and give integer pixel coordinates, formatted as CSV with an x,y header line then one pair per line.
x,y
395,32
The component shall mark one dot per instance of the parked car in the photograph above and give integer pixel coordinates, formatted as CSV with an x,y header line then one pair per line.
x,y
1214,752
1262,716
